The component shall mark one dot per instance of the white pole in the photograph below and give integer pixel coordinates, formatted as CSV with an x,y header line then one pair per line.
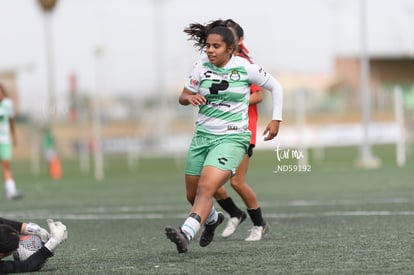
x,y
365,87
97,127
163,117
133,157
51,104
366,158
399,119
84,158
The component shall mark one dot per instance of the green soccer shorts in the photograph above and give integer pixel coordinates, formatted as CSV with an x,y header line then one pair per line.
x,y
6,151
222,151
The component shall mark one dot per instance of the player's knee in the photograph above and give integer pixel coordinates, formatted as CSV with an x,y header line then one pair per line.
x,y
205,190
236,182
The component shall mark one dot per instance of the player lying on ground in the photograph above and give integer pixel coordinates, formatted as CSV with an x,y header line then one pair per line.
x,y
27,260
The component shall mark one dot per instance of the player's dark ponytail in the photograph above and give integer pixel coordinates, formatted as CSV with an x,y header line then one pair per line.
x,y
198,33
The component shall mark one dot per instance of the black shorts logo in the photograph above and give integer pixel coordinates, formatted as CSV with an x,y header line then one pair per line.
x,y
222,160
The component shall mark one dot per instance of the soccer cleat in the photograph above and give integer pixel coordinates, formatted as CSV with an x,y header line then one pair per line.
x,y
208,234
177,237
232,225
258,232
15,196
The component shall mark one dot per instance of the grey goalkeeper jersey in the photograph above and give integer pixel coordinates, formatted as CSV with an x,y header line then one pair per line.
x,y
227,91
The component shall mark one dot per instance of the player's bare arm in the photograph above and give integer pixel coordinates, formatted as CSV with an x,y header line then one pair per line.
x,y
187,97
256,98
271,130
13,132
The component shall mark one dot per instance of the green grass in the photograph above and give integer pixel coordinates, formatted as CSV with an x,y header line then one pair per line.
x,y
335,219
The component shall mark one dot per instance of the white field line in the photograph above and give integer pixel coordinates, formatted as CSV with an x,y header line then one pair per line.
x,y
179,211
157,216
338,202
339,214
183,207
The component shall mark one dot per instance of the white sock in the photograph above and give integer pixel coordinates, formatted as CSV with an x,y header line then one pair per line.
x,y
10,187
213,216
190,227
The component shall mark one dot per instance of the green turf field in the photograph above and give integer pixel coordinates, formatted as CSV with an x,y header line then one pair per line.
x,y
335,219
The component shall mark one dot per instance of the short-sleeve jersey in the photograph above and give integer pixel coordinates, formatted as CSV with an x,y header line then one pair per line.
x,y
227,91
6,112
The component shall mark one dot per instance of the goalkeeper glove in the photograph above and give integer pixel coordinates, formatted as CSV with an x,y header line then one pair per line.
x,y
58,234
34,229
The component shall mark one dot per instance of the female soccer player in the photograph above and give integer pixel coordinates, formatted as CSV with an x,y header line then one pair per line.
x,y
7,141
220,86
238,181
9,242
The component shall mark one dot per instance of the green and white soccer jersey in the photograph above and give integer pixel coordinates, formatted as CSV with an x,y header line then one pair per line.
x,y
227,91
6,112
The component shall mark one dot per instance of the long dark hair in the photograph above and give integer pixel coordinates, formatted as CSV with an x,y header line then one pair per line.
x,y
9,239
198,32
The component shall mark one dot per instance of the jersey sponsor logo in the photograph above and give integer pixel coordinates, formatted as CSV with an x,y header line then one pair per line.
x,y
232,127
222,160
207,74
215,104
235,76
218,85
210,74
262,72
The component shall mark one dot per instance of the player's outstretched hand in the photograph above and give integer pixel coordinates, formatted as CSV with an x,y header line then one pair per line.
x,y
34,229
196,100
58,234
271,130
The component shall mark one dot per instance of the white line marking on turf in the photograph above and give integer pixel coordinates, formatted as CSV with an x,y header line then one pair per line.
x,y
370,213
338,202
179,207
156,216
157,211
339,213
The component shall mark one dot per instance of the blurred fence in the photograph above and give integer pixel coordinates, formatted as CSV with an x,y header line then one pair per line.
x,y
312,119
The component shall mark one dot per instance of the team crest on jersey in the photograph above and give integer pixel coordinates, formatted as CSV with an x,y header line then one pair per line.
x,y
193,82
235,76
